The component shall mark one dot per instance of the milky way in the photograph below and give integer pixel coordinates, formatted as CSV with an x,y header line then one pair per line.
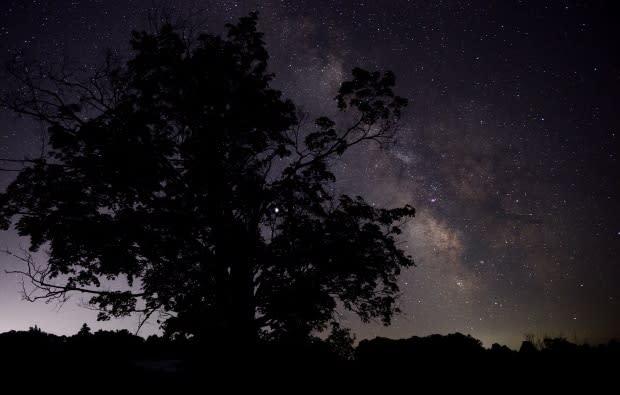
x,y
508,150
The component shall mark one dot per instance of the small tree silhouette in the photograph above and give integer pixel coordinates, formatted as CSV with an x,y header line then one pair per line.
x,y
184,169
341,342
84,330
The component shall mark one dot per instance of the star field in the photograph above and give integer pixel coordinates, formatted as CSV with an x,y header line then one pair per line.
x,y
508,150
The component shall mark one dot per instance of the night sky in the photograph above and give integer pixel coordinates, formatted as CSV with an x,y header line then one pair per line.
x,y
508,150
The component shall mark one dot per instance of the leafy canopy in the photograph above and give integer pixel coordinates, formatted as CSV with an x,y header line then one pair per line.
x,y
183,169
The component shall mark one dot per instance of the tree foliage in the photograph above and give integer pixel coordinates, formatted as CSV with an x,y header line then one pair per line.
x,y
184,170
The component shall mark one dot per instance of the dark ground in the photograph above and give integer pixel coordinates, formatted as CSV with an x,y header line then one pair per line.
x,y
118,360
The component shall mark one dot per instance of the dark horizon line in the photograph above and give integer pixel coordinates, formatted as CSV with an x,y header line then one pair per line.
x,y
535,338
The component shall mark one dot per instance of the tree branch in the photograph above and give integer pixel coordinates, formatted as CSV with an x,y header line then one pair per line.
x,y
38,275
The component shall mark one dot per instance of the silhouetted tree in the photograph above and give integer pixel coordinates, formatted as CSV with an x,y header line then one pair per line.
x,y
182,168
340,341
35,329
527,347
499,349
84,330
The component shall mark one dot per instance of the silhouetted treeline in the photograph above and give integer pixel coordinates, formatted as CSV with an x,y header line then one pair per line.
x,y
457,346
125,355
460,361
119,354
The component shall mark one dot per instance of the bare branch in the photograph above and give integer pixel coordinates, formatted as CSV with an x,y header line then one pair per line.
x,y
42,289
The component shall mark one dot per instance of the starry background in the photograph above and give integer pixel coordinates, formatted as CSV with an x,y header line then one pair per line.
x,y
509,148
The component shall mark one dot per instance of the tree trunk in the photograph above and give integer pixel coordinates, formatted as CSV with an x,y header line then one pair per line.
x,y
244,328
234,293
